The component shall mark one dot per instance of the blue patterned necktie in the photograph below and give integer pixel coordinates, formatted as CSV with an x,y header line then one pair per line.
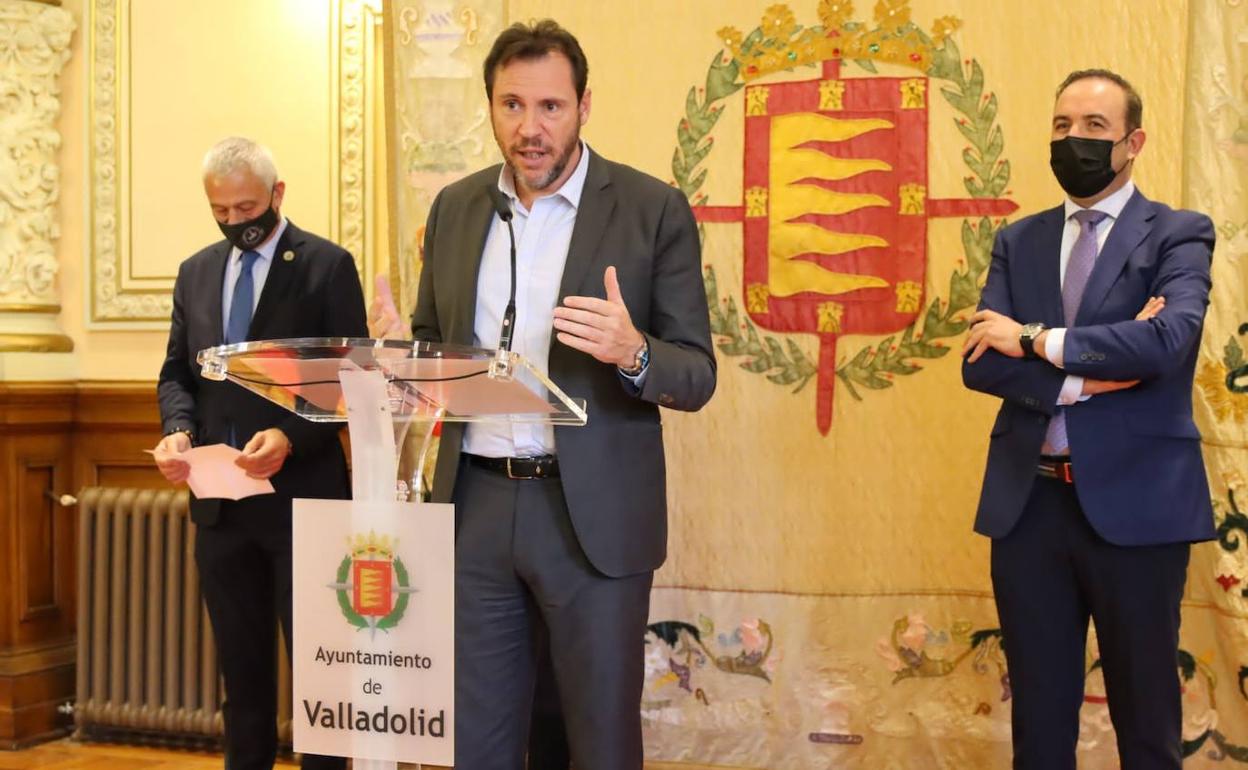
x,y
1078,270
243,301
240,316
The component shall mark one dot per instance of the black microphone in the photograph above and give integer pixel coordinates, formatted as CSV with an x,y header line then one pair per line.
x,y
502,207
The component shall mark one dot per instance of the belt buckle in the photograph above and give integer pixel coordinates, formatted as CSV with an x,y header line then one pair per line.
x,y
1067,473
511,475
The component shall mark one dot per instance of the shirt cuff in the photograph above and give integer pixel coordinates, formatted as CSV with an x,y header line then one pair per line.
x,y
635,382
1055,347
1071,392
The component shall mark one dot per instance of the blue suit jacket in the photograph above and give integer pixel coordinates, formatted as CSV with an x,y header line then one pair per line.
x,y
1136,452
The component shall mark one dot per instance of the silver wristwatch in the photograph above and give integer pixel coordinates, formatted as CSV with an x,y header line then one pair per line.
x,y
641,359
1027,339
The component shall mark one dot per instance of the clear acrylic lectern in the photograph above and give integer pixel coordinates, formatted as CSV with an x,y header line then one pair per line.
x,y
380,388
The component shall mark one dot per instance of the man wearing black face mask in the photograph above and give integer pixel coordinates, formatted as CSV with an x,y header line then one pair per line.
x,y
1088,331
267,280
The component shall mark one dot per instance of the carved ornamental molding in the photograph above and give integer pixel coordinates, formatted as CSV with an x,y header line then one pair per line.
x,y
111,302
34,46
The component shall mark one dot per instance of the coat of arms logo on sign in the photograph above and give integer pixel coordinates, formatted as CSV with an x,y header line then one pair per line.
x,y
373,584
373,648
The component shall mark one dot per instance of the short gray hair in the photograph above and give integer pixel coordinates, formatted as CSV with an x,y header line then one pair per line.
x,y
236,152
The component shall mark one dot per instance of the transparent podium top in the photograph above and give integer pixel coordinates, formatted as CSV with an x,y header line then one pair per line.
x,y
446,382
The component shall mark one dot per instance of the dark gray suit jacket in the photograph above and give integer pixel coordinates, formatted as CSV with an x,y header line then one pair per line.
x,y
315,294
613,470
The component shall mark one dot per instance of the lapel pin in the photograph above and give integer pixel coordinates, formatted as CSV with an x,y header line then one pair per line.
x,y
288,256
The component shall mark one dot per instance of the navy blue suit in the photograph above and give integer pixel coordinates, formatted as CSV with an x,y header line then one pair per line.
x,y
1114,544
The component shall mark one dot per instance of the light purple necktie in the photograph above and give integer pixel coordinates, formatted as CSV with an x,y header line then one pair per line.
x,y
1078,269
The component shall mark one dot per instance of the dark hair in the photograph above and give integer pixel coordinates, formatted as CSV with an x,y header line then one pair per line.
x,y
1135,107
534,41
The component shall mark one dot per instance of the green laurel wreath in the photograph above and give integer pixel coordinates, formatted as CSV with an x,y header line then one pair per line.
x,y
355,618
1234,361
1233,357
874,366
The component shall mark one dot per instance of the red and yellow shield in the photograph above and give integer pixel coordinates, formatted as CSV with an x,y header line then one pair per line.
x,y
371,583
835,189
836,207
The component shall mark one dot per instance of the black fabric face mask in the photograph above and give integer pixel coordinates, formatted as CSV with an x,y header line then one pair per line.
x,y
1083,167
250,234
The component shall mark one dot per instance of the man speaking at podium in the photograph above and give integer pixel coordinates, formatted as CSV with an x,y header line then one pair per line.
x,y
267,280
561,526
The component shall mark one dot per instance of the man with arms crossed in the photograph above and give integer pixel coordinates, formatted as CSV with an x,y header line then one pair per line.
x,y
1088,331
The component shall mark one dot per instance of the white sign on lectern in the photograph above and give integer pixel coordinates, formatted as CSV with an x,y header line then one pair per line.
x,y
374,646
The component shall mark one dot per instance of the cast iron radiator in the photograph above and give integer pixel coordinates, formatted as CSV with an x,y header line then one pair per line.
x,y
147,664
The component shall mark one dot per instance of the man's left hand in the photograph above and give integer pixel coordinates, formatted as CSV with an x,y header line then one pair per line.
x,y
600,327
264,454
990,329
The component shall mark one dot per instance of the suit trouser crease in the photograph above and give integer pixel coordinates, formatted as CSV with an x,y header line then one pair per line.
x,y
1051,574
244,566
519,567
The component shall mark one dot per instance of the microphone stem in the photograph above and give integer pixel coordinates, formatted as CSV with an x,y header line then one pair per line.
x,y
509,316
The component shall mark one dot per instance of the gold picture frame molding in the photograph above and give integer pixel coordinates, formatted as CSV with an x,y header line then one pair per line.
x,y
357,26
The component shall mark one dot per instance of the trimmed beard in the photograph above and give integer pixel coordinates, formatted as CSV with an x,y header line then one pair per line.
x,y
556,170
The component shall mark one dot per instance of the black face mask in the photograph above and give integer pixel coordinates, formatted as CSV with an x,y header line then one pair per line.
x,y
250,234
1083,167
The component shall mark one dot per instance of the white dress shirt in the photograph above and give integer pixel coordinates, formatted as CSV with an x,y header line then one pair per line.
x,y
259,274
1055,342
543,234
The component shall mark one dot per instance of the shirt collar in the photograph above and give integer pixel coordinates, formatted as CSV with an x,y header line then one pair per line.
x,y
266,249
569,191
1111,204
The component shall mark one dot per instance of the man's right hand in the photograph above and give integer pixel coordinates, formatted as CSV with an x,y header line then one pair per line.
x,y
1151,308
383,316
168,457
1096,387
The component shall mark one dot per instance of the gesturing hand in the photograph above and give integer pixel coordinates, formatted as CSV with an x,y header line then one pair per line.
x,y
383,315
600,327
264,455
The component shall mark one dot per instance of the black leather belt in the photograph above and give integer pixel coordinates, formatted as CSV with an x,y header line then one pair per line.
x,y
1060,468
543,467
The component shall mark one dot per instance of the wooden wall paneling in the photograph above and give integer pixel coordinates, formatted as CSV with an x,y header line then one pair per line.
x,y
113,424
37,602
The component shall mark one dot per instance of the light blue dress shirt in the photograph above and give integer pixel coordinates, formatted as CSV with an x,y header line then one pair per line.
x,y
543,233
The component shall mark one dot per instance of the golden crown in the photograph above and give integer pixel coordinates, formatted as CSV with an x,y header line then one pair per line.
x,y
784,45
371,546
